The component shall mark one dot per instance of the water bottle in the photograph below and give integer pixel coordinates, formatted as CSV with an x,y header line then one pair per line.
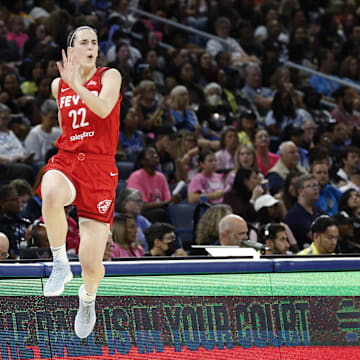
x,y
203,197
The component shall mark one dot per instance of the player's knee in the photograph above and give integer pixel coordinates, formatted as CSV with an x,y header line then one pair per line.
x,y
52,200
91,268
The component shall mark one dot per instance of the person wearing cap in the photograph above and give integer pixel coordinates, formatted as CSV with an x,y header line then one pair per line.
x,y
273,235
289,161
271,210
329,195
303,212
347,241
325,236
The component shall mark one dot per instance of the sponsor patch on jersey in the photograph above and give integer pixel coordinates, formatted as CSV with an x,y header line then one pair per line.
x,y
104,206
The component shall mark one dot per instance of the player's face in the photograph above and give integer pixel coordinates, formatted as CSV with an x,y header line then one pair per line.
x,y
86,47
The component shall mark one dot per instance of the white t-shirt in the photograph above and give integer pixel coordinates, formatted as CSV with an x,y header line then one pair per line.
x,y
39,142
10,146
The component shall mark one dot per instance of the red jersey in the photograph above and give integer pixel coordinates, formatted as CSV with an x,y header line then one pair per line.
x,y
82,130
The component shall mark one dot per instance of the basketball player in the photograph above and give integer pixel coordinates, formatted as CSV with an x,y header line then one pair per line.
x,y
84,171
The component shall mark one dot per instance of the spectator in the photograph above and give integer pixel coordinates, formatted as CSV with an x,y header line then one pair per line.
x,y
261,97
8,49
222,29
24,191
207,183
153,186
325,235
12,153
131,140
184,118
350,203
245,190
301,215
226,156
289,158
10,222
329,195
247,127
162,241
232,230
130,202
32,73
283,113
288,193
189,153
207,71
124,236
350,159
4,246
17,32
344,112
347,242
265,159
271,210
152,113
42,137
274,237
327,65
246,157
167,146
207,229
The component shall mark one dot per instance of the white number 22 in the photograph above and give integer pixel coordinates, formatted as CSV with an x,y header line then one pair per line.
x,y
74,115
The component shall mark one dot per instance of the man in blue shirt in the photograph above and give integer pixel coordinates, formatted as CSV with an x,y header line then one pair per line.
x,y
329,195
301,215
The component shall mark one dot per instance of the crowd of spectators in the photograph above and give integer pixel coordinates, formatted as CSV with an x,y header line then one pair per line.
x,y
223,121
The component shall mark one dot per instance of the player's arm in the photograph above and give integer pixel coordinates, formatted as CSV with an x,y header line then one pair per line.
x,y
103,104
55,91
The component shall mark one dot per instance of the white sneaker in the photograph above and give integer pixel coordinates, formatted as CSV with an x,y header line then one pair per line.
x,y
60,274
85,318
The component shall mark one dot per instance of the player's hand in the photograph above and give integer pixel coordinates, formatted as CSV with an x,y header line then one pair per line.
x,y
69,69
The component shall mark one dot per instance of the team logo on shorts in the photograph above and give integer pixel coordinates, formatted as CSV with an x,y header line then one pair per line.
x,y
103,206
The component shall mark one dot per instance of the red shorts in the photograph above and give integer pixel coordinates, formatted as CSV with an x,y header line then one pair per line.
x,y
95,178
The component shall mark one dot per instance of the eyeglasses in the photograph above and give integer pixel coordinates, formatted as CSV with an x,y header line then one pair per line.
x,y
170,238
311,185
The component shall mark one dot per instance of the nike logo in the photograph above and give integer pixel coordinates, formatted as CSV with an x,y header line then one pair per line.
x,y
113,174
62,90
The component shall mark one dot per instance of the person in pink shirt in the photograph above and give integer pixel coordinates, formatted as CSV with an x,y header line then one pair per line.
x,y
124,237
153,186
207,183
266,159
17,33
229,141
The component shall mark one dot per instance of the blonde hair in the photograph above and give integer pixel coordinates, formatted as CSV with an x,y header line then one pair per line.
x,y
254,166
208,226
175,92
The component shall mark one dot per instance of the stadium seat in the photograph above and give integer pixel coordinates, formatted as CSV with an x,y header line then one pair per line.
x,y
181,216
125,168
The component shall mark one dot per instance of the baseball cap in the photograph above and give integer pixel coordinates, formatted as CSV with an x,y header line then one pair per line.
x,y
343,218
264,201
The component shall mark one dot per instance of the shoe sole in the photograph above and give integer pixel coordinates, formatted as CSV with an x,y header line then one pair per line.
x,y
68,278
84,336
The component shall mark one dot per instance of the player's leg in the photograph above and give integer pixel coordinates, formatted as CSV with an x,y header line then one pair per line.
x,y
57,192
93,238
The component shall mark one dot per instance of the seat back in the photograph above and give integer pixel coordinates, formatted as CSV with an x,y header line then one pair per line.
x,y
125,168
